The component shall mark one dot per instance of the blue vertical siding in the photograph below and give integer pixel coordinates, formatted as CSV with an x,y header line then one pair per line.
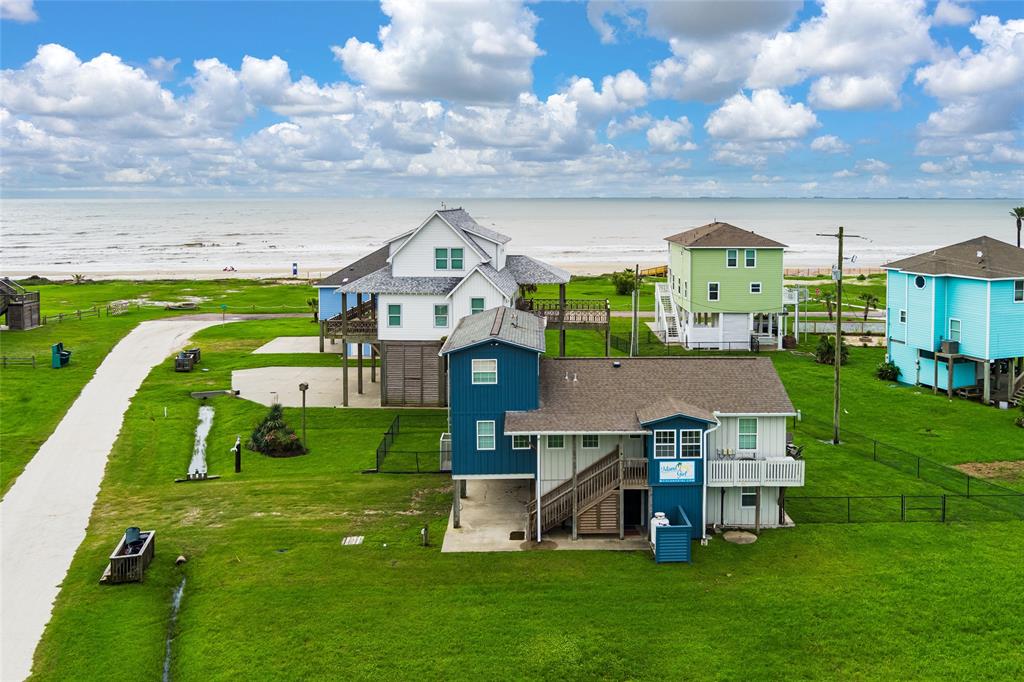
x,y
666,495
965,301
517,389
895,296
1006,338
330,301
920,328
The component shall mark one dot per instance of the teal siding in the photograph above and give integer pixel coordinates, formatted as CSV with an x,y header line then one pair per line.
x,y
920,329
517,389
896,286
674,542
966,302
1006,338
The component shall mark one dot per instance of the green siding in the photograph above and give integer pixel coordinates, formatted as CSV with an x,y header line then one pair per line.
x,y
700,266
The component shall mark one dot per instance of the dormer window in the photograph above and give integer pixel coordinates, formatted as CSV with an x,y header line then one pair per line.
x,y
449,259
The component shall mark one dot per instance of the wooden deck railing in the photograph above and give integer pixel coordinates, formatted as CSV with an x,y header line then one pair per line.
x,y
634,473
592,484
578,311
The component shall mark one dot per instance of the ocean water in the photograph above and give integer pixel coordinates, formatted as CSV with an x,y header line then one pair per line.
x,y
182,236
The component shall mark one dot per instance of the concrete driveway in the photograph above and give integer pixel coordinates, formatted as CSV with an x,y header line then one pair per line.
x,y
265,385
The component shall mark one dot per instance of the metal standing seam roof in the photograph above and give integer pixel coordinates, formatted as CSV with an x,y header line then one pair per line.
x,y
998,260
528,270
361,268
383,282
722,235
497,324
588,395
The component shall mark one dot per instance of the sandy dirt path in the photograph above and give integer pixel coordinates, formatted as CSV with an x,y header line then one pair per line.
x,y
44,515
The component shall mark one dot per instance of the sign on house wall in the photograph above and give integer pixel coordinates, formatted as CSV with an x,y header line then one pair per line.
x,y
679,472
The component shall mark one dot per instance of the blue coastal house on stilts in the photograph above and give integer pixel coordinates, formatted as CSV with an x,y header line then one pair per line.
x,y
955,320
609,447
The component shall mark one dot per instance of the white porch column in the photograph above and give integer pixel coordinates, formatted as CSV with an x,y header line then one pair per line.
x,y
780,326
539,495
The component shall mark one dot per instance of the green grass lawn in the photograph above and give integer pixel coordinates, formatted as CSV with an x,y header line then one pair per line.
x,y
272,594
601,287
33,401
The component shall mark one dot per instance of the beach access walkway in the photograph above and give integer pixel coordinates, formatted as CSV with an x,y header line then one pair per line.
x,y
43,516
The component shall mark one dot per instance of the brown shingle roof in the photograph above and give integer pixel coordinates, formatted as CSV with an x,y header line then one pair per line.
x,y
998,260
722,235
599,397
361,268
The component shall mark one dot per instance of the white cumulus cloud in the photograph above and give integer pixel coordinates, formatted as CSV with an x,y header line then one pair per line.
x,y
830,144
670,135
21,11
765,115
949,13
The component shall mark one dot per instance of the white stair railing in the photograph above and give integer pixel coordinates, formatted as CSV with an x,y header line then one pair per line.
x,y
665,309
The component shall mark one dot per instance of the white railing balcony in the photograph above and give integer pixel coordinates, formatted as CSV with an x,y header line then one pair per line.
x,y
781,471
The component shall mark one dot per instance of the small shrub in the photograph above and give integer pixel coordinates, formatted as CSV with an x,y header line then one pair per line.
x,y
861,277
273,437
887,371
624,282
825,353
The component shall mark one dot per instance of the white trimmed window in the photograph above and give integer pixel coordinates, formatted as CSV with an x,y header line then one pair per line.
x,y
664,444
686,288
457,258
485,371
731,258
485,435
747,433
441,315
903,317
712,291
689,443
755,287
395,315
440,259
556,442
1018,291
591,441
521,442
954,329
748,497
750,258
476,305
449,259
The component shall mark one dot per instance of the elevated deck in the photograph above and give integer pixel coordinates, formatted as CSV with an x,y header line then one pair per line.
x,y
776,471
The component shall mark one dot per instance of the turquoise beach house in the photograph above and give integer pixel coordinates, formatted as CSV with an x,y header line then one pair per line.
x,y
955,319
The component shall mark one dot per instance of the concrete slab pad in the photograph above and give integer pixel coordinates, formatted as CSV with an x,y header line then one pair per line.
x,y
297,344
265,385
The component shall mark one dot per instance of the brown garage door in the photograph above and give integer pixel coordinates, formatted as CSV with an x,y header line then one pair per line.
x,y
413,374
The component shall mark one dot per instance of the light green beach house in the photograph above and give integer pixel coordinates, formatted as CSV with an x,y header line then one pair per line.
x,y
724,289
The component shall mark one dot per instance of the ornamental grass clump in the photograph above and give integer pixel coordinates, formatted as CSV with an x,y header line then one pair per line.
x,y
825,353
274,438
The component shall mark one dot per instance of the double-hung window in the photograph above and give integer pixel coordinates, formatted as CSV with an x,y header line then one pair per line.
x,y
395,315
664,444
712,291
521,442
750,258
485,435
954,329
591,441
441,315
748,497
556,442
747,433
456,259
476,305
485,371
440,259
1018,291
689,443
731,258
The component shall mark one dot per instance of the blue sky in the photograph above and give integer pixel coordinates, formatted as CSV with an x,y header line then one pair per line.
x,y
631,98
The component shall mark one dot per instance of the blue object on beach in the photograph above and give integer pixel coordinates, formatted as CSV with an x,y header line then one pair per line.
x,y
295,269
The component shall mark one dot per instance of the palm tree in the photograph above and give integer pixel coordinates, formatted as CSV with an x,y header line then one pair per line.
x,y
314,306
1018,213
828,297
870,301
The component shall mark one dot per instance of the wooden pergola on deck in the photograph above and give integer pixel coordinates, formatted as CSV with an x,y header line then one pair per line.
x,y
572,313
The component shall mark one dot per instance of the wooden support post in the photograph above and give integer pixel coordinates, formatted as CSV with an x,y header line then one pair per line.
x,y
344,376
575,496
949,377
456,503
462,489
322,325
986,393
935,379
622,496
359,364
782,506
561,320
373,364
757,512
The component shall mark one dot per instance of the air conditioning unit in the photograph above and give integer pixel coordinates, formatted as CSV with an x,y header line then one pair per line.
x,y
950,347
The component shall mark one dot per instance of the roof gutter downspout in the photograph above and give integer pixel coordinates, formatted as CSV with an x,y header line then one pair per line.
x,y
704,485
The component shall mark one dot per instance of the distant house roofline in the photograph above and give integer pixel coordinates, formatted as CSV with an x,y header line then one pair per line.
x,y
719,235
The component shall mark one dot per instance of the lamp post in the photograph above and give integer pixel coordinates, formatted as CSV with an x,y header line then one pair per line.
x,y
303,387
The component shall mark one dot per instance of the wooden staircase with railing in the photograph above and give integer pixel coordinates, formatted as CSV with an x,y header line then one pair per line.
x,y
597,491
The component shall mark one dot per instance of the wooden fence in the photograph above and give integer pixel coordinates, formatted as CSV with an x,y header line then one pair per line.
x,y
7,360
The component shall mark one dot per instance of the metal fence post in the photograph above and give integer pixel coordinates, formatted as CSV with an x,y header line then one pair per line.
x,y
919,467
848,509
943,508
968,486
903,507
874,450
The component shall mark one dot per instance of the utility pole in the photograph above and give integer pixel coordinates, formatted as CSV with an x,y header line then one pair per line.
x,y
837,275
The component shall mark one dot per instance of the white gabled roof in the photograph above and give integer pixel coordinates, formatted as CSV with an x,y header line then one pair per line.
x,y
460,231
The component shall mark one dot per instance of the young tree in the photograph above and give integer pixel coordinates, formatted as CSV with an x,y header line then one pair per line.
x,y
314,305
624,282
870,301
829,298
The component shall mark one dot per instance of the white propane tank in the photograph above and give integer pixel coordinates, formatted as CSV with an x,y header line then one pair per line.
x,y
659,520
